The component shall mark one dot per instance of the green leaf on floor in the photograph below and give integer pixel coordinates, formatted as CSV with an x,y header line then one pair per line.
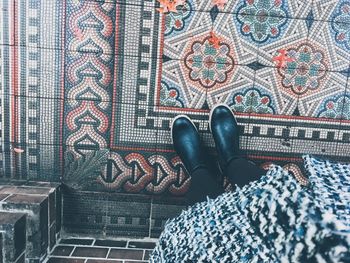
x,y
82,172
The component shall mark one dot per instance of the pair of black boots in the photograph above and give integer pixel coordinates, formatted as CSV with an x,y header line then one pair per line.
x,y
225,131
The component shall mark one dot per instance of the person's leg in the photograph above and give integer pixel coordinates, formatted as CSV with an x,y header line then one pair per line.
x,y
224,128
203,184
241,171
187,145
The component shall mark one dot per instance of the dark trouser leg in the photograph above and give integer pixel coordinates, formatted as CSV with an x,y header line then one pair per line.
x,y
203,184
240,171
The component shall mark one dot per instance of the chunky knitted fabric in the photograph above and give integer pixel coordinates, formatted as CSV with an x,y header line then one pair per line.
x,y
271,220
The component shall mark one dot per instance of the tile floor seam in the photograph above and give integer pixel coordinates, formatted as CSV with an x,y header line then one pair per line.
x,y
146,239
94,258
150,219
109,251
127,248
73,257
71,253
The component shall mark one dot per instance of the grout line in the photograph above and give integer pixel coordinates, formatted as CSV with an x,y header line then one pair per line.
x,y
61,210
146,239
71,253
80,257
78,245
54,222
96,258
90,246
21,255
7,197
150,219
93,243
109,251
143,254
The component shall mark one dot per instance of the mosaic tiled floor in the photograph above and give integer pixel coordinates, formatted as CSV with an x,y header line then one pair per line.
x,y
117,214
89,87
91,250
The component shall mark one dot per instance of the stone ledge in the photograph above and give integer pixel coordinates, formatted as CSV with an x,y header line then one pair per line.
x,y
12,236
42,204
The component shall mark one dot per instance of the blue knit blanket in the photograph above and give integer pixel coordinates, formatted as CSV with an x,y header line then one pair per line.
x,y
274,219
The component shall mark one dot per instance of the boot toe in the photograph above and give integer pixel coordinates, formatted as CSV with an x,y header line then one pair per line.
x,y
222,115
181,122
183,126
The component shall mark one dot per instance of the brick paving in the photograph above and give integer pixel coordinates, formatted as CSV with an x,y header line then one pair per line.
x,y
91,250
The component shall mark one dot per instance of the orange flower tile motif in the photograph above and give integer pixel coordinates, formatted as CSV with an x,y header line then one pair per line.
x,y
209,65
175,22
306,69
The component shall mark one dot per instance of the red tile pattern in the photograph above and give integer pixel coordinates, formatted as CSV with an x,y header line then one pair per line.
x,y
99,117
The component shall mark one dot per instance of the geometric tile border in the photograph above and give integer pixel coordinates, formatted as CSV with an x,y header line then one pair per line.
x,y
82,76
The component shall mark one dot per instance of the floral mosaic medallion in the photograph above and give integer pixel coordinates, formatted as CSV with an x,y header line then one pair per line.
x,y
176,21
341,25
252,101
262,20
170,96
338,108
208,65
306,70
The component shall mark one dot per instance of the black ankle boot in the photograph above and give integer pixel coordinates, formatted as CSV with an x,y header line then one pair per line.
x,y
223,126
187,143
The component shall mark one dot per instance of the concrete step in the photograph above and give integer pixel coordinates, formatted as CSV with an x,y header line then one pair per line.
x,y
42,205
12,237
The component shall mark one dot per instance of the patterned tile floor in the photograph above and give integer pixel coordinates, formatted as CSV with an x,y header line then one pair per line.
x,y
90,87
281,65
92,250
123,70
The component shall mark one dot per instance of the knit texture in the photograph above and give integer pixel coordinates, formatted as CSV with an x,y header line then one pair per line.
x,y
274,219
